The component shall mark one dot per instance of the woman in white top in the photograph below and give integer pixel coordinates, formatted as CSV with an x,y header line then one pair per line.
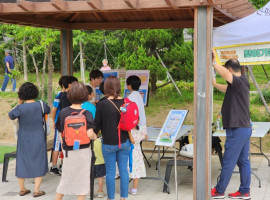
x,y
139,134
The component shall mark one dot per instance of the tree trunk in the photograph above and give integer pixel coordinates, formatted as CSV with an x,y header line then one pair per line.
x,y
82,63
153,81
44,73
25,76
36,67
50,74
15,55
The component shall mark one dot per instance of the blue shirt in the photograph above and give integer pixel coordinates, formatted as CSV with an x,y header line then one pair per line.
x,y
56,104
9,59
90,107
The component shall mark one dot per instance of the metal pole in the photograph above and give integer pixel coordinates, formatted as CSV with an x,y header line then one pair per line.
x,y
202,102
175,172
168,74
257,86
104,44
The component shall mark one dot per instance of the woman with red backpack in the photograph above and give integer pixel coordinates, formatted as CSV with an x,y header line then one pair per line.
x,y
107,120
75,125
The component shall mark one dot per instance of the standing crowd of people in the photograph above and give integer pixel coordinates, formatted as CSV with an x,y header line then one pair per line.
x,y
100,121
77,101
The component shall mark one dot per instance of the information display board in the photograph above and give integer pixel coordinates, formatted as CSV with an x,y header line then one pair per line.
x,y
144,76
171,128
106,74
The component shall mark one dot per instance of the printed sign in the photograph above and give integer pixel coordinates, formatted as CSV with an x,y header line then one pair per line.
x,y
247,54
171,128
106,74
144,76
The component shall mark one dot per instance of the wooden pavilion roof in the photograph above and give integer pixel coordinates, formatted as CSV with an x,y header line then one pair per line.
x,y
117,14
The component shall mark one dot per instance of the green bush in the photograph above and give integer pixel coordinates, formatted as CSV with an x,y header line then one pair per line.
x,y
257,99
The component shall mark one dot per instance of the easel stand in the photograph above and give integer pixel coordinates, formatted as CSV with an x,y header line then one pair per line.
x,y
159,173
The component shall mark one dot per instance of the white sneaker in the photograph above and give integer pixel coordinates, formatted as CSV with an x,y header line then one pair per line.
x,y
132,191
100,194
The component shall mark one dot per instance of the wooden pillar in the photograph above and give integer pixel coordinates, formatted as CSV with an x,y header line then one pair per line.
x,y
203,26
66,52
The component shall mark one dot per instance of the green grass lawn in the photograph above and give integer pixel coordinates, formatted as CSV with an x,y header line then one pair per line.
x,y
5,149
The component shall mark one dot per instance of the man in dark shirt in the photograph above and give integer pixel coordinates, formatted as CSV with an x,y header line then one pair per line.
x,y
9,63
236,121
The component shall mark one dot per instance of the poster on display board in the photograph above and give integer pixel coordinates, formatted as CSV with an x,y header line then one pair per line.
x,y
246,54
171,128
106,74
144,76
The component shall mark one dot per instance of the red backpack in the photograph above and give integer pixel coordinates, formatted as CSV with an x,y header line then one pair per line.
x,y
129,117
75,128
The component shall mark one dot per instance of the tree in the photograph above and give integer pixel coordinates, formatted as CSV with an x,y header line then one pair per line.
x,y
140,53
259,3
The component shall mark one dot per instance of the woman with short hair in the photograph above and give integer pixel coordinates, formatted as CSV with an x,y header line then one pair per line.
x,y
75,179
31,160
107,120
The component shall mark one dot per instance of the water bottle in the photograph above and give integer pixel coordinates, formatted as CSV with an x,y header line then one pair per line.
x,y
218,124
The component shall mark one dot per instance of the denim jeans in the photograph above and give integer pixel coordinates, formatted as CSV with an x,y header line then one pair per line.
x,y
113,154
5,82
236,152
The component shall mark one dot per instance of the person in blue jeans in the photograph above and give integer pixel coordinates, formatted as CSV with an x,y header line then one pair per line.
x,y
107,119
9,63
236,121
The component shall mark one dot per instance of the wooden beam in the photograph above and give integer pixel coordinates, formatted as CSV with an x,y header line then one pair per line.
x,y
131,3
234,4
95,4
240,8
26,5
59,4
134,25
33,21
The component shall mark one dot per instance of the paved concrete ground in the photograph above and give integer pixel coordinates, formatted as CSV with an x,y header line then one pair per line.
x,y
148,189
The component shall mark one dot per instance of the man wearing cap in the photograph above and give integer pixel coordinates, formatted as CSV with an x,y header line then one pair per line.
x,y
9,63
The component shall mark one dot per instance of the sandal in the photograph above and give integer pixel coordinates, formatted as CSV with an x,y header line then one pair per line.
x,y
38,194
22,193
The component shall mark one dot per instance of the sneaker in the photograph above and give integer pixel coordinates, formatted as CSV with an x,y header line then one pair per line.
x,y
100,194
216,195
238,195
132,191
54,171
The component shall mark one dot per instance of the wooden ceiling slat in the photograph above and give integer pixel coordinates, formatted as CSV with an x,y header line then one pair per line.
x,y
59,4
95,4
25,5
244,12
224,12
218,2
131,3
240,8
234,4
